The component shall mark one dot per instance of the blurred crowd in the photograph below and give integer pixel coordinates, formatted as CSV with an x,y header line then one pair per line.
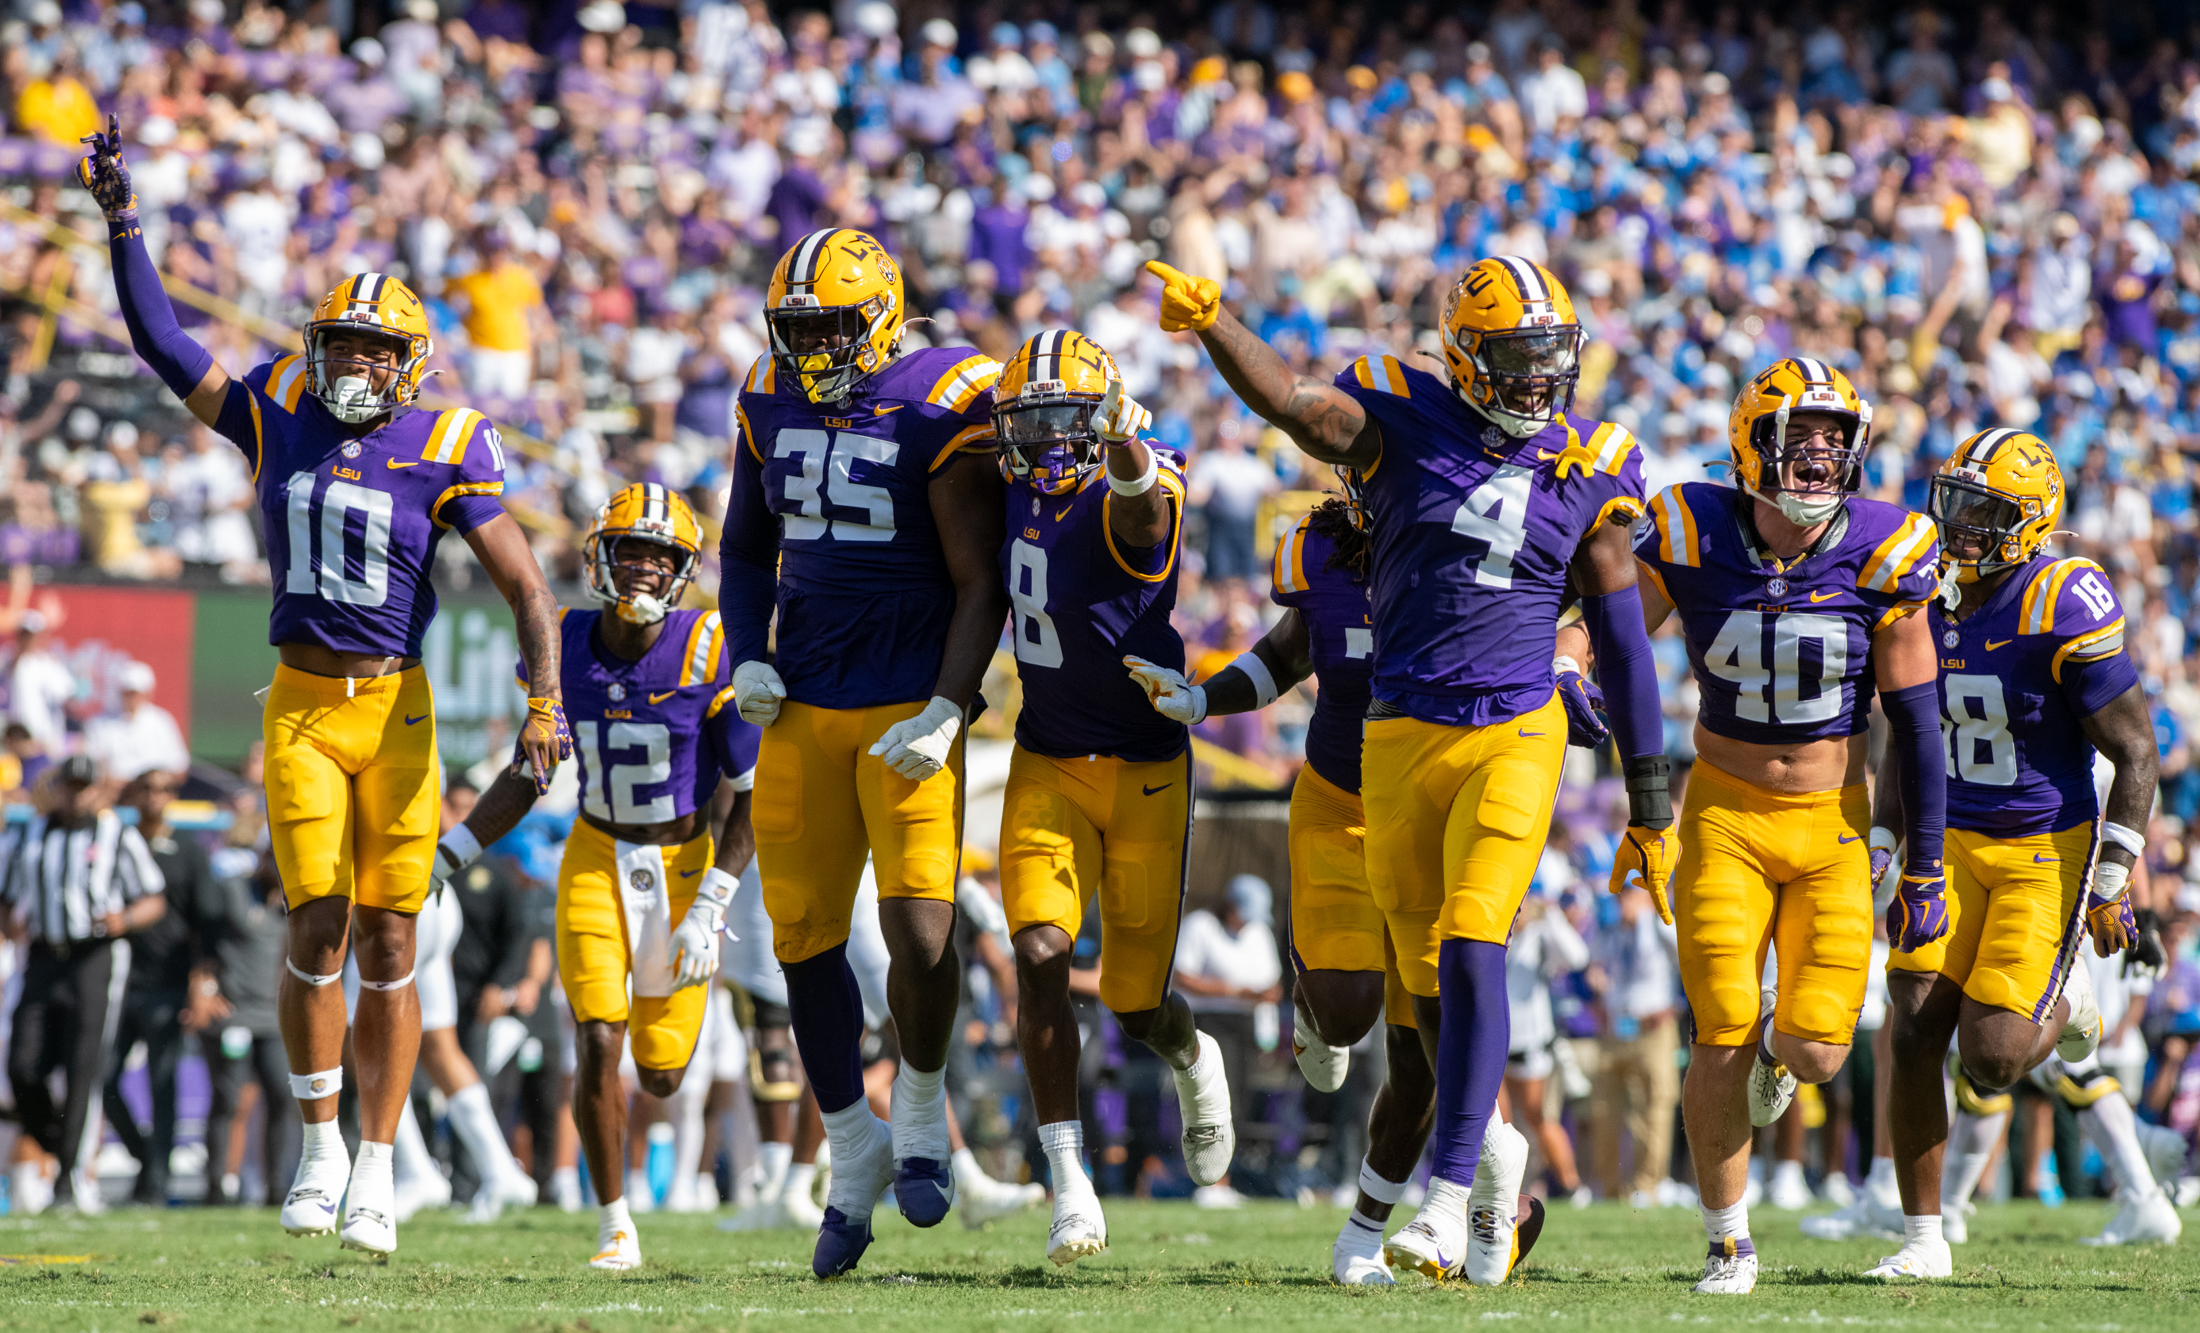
x,y
1985,216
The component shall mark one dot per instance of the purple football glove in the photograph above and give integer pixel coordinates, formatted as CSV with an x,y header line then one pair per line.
x,y
1918,915
1584,705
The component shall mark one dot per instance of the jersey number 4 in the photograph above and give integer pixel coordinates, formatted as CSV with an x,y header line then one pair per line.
x,y
823,462
1776,694
1496,512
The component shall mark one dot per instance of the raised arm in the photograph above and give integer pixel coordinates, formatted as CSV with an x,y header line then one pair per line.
x,y
1319,418
503,551
1138,504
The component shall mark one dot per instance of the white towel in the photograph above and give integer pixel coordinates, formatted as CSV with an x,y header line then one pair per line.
x,y
648,918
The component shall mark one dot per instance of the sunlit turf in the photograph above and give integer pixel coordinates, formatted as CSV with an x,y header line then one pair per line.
x,y
1171,1267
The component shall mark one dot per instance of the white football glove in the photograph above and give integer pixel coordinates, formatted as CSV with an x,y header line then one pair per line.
x,y
1172,696
1119,417
757,693
918,748
695,941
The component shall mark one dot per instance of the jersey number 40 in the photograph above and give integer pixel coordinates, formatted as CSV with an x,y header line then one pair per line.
x,y
1775,693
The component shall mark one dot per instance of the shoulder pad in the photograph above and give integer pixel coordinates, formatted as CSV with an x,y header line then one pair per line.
x,y
1610,445
760,379
285,381
455,429
1287,574
1382,373
960,386
1675,536
1912,545
2067,597
706,643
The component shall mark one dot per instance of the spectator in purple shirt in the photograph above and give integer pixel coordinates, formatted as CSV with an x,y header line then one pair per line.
x,y
997,234
2126,291
799,195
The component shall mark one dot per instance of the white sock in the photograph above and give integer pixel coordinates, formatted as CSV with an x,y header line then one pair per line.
x,y
919,1109
612,1217
1064,1142
968,1174
1381,1190
848,1129
413,1161
800,1180
1725,1223
2111,1128
686,1111
1971,1142
1788,1171
565,1183
372,1169
474,1120
1445,1198
1881,1184
1916,1229
325,1143
772,1161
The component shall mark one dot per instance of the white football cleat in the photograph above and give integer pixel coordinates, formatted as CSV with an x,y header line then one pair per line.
x,y
2152,1220
1079,1231
1837,1190
1924,1259
1203,1099
370,1218
512,1189
1865,1217
1729,1270
316,1192
763,1215
617,1250
800,1210
2165,1150
1434,1243
1790,1192
1491,1203
1356,1259
983,1201
2081,1035
415,1194
1955,1221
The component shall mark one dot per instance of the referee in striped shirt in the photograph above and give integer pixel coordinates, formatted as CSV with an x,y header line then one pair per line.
x,y
76,881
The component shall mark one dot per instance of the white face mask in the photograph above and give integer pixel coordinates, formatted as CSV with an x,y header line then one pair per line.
x,y
351,400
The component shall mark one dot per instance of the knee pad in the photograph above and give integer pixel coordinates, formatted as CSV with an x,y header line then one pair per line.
x,y
771,1076
1982,1102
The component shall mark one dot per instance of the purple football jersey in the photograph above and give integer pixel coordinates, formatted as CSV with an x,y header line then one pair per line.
x,y
1473,535
835,502
1081,602
1782,653
1340,634
2016,679
352,524
653,736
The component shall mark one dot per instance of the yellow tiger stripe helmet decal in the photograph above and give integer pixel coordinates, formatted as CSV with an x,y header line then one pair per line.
x,y
835,309
1512,343
649,512
1995,501
377,304
1043,408
1812,480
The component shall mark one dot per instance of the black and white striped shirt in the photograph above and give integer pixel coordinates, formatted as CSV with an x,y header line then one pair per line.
x,y
65,881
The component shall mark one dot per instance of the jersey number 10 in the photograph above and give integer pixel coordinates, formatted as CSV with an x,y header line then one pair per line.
x,y
323,569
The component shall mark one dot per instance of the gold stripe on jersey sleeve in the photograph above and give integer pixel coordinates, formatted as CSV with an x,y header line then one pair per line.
x,y
1611,443
286,382
700,666
1174,486
259,434
748,432
719,700
1618,504
1644,569
1678,542
2093,646
760,375
2038,613
450,493
1895,557
1288,574
977,439
963,382
1894,613
1382,373
453,431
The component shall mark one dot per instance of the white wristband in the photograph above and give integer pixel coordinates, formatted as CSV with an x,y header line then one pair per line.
x,y
461,846
2110,879
2131,840
1141,483
717,889
1264,684
1566,664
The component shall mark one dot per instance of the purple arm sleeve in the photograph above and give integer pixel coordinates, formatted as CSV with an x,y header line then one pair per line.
x,y
1627,671
161,342
1914,716
748,562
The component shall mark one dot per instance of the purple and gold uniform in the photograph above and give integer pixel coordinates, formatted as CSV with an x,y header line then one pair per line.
x,y
830,526
654,738
1782,655
1099,795
352,526
1473,533
1335,923
2017,678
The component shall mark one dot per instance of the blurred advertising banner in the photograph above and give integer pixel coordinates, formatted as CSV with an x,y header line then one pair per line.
x,y
96,631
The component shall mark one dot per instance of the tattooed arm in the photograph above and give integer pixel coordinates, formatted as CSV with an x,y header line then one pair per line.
x,y
1319,417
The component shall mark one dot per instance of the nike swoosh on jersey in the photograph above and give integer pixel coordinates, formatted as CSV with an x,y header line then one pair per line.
x,y
394,463
1846,837
1532,734
1063,512
882,411
1991,645
413,721
1822,596
2040,860
1151,790
690,874
660,698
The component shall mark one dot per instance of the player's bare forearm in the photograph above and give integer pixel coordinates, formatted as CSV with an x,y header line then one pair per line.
x,y
736,838
1902,653
1573,641
500,808
2124,732
1604,562
1141,520
1288,653
968,508
1319,418
503,551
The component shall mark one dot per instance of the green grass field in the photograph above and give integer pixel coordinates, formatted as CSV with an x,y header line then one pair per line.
x,y
1171,1268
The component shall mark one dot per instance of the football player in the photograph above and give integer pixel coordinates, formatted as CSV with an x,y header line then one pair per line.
x,y
1483,493
866,512
1346,972
1796,600
642,889
356,490
1099,797
2034,680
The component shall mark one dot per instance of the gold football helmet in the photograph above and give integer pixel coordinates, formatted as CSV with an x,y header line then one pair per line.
x,y
647,512
1043,408
379,305
1513,344
1808,479
1995,501
835,309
